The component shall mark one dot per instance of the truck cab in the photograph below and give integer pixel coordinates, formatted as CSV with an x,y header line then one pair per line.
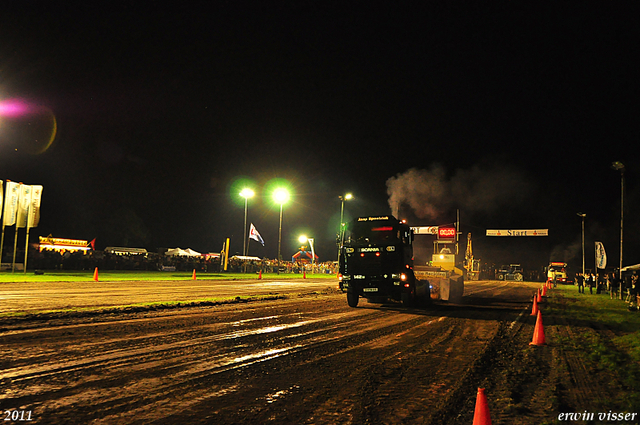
x,y
557,271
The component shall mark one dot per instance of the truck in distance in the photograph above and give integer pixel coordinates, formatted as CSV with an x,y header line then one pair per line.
x,y
557,271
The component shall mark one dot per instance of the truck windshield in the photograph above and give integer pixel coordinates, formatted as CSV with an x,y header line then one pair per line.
x,y
371,232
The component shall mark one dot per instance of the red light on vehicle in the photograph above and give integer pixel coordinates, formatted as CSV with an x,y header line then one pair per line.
x,y
377,254
382,229
446,232
362,254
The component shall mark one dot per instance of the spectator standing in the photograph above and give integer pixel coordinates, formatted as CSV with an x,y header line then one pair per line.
x,y
633,291
580,280
592,283
614,286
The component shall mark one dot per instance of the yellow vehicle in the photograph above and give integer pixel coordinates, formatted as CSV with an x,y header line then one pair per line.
x,y
557,271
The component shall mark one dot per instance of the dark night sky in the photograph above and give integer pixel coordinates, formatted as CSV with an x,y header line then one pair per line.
x,y
512,113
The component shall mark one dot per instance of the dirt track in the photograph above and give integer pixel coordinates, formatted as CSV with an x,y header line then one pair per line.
x,y
305,359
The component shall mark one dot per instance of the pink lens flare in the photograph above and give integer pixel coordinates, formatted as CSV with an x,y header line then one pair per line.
x,y
14,108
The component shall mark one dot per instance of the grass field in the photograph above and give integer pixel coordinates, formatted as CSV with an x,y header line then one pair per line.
x,y
117,276
607,337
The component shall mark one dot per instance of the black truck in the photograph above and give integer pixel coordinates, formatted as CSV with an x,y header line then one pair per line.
x,y
376,261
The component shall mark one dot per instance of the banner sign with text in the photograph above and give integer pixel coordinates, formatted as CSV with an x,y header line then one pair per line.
x,y
601,256
518,232
11,203
425,230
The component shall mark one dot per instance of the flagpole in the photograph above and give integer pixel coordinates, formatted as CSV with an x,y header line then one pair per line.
x,y
26,250
2,244
15,248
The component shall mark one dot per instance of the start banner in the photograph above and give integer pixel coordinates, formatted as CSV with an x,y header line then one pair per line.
x,y
518,232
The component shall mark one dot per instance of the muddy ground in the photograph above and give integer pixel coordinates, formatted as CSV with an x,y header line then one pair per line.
x,y
300,359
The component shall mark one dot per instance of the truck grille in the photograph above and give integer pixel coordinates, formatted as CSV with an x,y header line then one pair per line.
x,y
369,265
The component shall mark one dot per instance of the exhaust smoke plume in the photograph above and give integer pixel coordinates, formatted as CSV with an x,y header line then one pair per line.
x,y
568,254
432,194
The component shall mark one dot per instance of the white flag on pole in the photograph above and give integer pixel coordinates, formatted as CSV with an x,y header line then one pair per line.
x,y
23,205
11,203
34,208
601,256
253,234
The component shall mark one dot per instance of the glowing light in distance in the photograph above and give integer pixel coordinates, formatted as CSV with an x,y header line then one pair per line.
x,y
247,193
281,195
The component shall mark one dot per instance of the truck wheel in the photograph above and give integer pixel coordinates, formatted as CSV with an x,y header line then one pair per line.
x,y
352,299
518,277
500,277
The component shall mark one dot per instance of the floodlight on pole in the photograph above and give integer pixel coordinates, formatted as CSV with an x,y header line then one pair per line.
x,y
281,196
246,193
303,239
345,197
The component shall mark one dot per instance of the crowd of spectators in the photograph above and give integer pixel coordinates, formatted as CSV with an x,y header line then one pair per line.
x,y
610,284
79,260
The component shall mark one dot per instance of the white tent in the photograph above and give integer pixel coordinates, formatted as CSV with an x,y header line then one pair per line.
x,y
182,252
630,268
246,258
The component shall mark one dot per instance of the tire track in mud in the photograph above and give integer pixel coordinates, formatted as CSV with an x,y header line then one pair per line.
x,y
289,361
521,381
162,363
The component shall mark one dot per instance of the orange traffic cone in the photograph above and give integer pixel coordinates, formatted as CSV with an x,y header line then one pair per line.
x,y
95,275
534,308
539,297
481,415
304,274
194,274
260,275
544,291
538,332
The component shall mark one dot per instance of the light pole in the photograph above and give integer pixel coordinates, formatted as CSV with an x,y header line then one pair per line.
x,y
246,193
304,239
280,196
582,216
617,165
346,197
